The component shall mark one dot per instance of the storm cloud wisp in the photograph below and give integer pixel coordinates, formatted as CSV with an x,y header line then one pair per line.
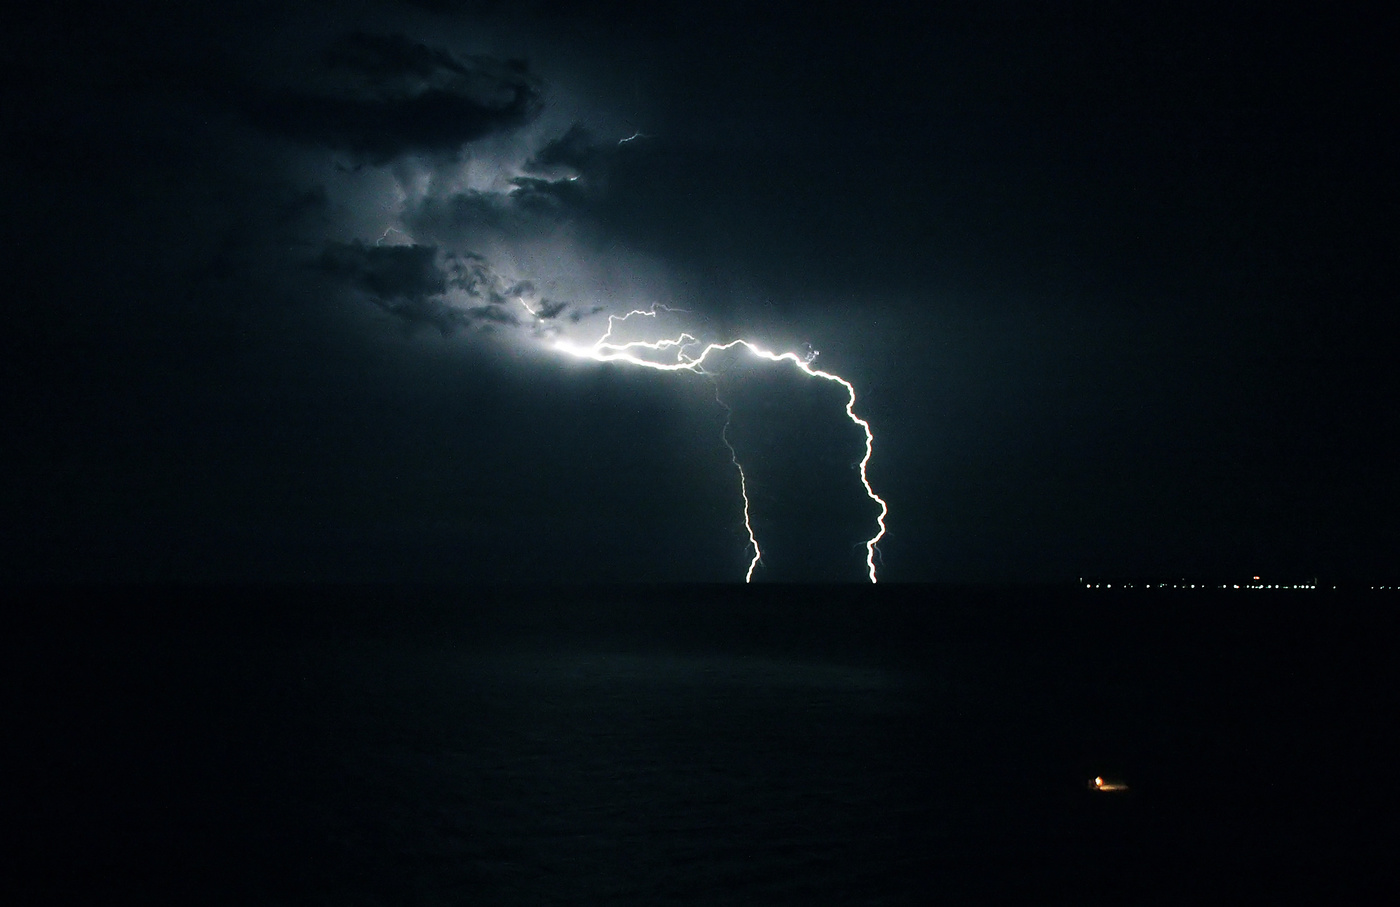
x,y
381,96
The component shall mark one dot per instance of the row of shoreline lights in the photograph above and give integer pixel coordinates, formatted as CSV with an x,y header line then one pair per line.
x,y
1185,585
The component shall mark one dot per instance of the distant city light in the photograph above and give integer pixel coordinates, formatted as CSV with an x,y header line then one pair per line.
x,y
1184,585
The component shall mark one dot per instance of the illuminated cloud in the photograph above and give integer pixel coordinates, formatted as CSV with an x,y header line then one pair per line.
x,y
556,188
423,285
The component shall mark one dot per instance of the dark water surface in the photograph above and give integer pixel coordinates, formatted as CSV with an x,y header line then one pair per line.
x,y
700,745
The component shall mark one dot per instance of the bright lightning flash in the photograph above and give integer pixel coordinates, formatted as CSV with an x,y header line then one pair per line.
x,y
674,357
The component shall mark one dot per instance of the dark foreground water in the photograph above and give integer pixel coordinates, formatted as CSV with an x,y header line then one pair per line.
x,y
695,746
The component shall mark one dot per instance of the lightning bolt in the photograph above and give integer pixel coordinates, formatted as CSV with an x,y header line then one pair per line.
x,y
743,481
385,235
671,355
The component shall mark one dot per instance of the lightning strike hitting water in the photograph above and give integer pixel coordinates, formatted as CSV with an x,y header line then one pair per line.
x,y
743,482
604,349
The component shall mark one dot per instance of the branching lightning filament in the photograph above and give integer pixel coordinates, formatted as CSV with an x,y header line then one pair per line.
x,y
674,355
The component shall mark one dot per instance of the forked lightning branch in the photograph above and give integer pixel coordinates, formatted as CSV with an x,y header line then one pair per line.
x,y
685,353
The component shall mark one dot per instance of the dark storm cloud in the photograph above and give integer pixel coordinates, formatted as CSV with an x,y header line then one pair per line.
x,y
446,290
471,213
551,197
387,272
578,315
549,309
384,96
470,273
574,150
532,207
414,283
567,185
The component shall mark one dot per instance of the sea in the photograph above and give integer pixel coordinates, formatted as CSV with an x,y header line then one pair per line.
x,y
667,745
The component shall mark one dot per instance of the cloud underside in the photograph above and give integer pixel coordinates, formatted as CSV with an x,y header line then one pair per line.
x,y
381,97
448,291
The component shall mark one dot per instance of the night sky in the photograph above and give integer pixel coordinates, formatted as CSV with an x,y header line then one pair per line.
x,y
1114,284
